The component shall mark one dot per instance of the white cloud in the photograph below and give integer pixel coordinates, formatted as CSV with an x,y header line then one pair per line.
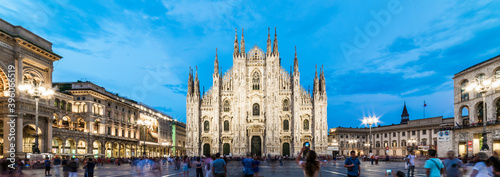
x,y
211,14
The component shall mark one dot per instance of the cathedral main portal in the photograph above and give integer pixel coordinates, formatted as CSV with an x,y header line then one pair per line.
x,y
256,146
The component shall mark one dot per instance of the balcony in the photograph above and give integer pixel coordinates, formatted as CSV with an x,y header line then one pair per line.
x,y
479,124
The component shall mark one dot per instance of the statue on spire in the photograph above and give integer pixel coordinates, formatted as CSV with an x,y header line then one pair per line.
x,y
268,41
242,43
236,46
275,46
295,62
216,63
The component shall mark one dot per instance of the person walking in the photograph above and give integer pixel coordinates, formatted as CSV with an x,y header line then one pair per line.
x,y
90,167
376,159
185,166
65,167
73,168
353,165
410,160
219,168
208,166
248,166
57,166
452,165
434,167
372,158
256,164
199,167
495,162
311,166
47,166
481,168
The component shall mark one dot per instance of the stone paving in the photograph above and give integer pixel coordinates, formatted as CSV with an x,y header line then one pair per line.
x,y
289,169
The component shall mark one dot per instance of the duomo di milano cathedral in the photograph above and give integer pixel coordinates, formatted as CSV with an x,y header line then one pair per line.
x,y
256,107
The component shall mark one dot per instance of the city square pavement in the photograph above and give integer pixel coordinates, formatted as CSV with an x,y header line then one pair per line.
x,y
289,169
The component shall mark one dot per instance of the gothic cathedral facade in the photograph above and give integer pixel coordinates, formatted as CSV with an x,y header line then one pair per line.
x,y
256,107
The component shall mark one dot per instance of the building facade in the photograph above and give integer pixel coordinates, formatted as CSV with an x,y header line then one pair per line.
x,y
32,60
256,107
80,118
470,113
394,140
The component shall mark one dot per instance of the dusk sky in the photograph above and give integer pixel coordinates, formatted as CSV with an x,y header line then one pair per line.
x,y
376,54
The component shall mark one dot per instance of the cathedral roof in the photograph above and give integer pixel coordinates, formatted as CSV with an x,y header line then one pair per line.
x,y
255,53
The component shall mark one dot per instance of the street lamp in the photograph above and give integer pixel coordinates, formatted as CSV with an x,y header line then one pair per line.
x,y
483,85
370,121
37,91
144,123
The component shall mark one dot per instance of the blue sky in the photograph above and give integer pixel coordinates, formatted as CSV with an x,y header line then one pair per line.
x,y
376,54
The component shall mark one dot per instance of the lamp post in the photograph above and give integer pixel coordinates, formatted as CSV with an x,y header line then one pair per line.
x,y
370,121
483,85
37,91
144,123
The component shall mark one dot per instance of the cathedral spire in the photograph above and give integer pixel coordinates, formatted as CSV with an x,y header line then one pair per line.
x,y
316,82
405,117
269,41
196,83
190,82
236,46
295,62
216,63
322,79
275,46
242,43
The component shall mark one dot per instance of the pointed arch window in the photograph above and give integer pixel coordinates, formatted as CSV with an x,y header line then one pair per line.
x,y
256,109
226,125
286,105
306,124
256,81
286,125
226,106
206,126
464,94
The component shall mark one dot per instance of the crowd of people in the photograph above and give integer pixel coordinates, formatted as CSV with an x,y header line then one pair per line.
x,y
453,166
216,165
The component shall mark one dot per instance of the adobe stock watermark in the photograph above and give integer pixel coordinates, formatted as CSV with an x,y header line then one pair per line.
x,y
150,81
373,28
11,76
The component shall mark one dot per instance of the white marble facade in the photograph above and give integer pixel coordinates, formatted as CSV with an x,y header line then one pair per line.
x,y
256,107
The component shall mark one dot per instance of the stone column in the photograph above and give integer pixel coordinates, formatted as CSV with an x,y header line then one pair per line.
x,y
6,131
49,135
19,134
90,145
19,70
